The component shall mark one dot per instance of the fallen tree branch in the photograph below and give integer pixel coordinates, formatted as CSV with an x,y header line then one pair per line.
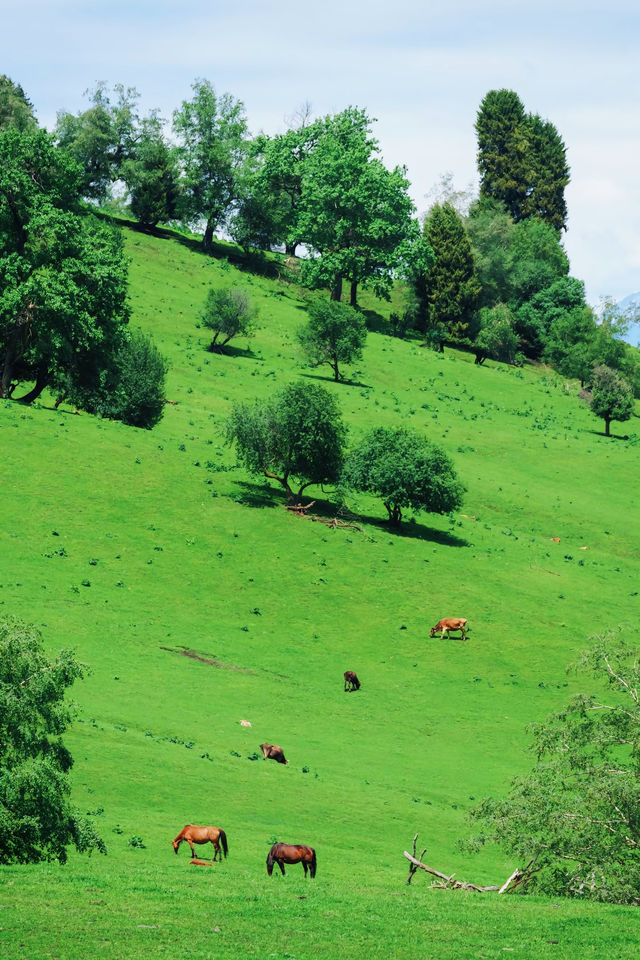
x,y
448,882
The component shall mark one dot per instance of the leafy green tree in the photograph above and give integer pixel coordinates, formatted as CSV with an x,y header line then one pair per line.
x,y
127,384
151,175
37,821
568,347
63,275
574,819
496,337
213,136
267,212
521,160
551,305
451,288
16,110
335,334
353,212
404,470
101,138
538,259
296,436
490,229
610,396
228,313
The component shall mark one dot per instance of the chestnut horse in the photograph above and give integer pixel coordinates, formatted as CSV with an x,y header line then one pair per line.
x,y
193,834
282,853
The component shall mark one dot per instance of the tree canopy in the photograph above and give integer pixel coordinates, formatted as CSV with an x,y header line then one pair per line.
x,y
16,110
228,314
335,334
212,132
451,289
353,212
297,435
63,274
610,396
37,821
574,819
405,470
521,160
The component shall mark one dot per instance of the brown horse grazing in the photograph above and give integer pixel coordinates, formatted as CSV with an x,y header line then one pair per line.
x,y
193,834
282,853
351,681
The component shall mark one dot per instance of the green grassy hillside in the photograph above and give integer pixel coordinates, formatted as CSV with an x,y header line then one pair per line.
x,y
139,547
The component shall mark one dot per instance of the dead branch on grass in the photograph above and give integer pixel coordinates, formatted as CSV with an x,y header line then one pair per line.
x,y
448,882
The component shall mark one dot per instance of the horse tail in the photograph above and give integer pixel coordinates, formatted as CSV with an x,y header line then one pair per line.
x,y
223,841
270,861
312,865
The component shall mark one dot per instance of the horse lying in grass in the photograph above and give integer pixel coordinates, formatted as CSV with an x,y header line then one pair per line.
x,y
282,853
192,834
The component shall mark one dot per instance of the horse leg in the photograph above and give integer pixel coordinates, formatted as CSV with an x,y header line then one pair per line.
x,y
193,853
304,864
281,865
216,850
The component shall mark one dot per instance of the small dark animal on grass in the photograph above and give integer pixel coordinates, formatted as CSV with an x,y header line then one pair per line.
x,y
272,752
282,853
351,681
450,623
192,834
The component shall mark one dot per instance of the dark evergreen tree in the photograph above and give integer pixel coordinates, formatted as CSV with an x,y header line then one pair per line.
x,y
521,160
451,288
16,110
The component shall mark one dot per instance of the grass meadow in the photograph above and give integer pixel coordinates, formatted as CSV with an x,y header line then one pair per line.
x,y
197,601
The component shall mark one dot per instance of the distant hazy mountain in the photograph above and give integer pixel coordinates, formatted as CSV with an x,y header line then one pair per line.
x,y
632,302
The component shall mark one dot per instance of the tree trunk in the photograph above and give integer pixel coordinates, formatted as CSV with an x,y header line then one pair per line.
x,y
607,424
336,290
5,380
41,382
290,248
336,372
354,293
207,240
395,513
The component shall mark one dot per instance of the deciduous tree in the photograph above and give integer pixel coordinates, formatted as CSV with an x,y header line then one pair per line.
x,y
403,469
228,314
574,818
63,275
37,820
101,138
353,212
296,437
610,396
212,130
335,334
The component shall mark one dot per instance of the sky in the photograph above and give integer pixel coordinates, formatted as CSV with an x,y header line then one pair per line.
x,y
420,67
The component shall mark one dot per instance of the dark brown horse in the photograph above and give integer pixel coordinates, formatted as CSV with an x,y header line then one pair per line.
x,y
192,834
351,681
282,853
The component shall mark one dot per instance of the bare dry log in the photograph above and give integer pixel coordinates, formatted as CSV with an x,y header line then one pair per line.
x,y
448,881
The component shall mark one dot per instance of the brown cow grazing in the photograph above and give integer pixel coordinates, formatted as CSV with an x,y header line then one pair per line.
x,y
271,752
450,623
351,681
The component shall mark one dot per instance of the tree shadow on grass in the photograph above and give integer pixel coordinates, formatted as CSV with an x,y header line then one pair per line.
x,y
343,383
612,436
410,530
237,352
258,495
